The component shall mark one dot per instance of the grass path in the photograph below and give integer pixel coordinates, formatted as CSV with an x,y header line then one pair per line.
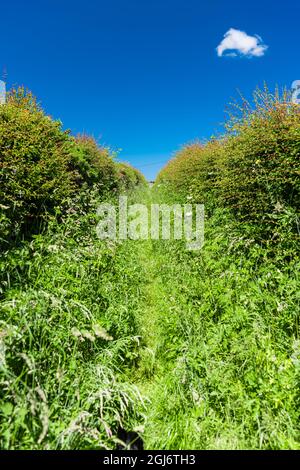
x,y
160,298
154,304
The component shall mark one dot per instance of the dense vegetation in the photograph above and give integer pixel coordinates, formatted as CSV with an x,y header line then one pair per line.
x,y
253,169
239,377
67,326
194,350
43,168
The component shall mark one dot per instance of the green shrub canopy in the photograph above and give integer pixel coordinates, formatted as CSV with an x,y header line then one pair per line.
x,y
34,160
253,169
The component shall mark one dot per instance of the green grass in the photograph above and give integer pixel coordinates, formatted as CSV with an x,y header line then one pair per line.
x,y
196,350
229,348
68,339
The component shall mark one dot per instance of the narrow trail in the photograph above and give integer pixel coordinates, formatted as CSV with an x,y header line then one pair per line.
x,y
160,348
154,304
153,309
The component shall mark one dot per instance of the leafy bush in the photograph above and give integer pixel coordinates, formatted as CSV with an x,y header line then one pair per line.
x,y
42,168
128,176
253,169
195,171
262,154
93,164
34,163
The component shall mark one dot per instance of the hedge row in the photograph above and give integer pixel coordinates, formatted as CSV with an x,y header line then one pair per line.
x,y
253,169
41,165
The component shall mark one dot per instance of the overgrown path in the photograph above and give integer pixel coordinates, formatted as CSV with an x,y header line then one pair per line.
x,y
160,350
199,348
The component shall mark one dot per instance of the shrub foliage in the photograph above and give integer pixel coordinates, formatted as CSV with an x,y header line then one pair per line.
x,y
253,169
42,167
34,160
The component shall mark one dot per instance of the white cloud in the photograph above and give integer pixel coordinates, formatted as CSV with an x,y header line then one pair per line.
x,y
241,44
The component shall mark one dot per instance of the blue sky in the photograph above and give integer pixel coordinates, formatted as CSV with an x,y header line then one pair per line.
x,y
145,76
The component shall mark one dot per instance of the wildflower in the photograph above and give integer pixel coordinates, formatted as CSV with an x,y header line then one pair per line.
x,y
88,335
278,207
75,332
102,333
